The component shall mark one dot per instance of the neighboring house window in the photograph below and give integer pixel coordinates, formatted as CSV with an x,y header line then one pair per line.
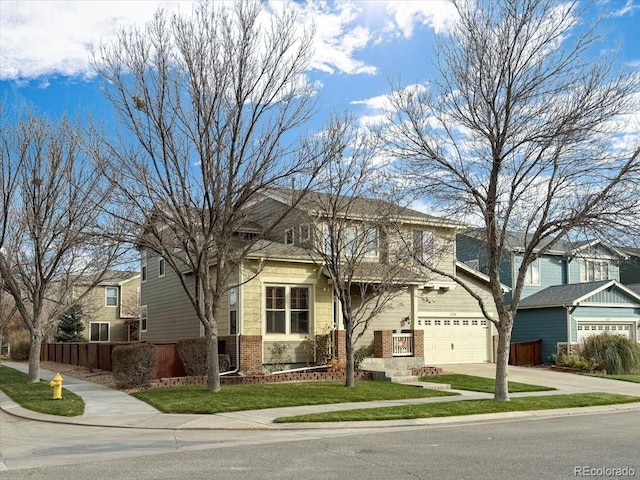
x,y
143,267
99,331
233,311
162,267
593,271
288,236
532,276
423,245
143,318
111,294
287,310
371,242
305,233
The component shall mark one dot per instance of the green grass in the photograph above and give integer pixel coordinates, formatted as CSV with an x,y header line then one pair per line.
x,y
624,378
481,384
234,398
38,396
465,407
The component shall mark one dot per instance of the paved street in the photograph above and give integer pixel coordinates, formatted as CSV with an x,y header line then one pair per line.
x,y
121,437
513,449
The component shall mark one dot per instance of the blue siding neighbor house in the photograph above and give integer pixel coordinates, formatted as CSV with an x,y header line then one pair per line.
x,y
569,313
573,290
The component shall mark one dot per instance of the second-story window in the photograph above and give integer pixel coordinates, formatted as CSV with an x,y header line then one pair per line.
x,y
111,294
423,246
532,276
162,267
288,236
593,271
305,233
143,266
371,242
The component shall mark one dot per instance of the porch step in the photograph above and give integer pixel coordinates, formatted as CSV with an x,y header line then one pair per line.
x,y
403,379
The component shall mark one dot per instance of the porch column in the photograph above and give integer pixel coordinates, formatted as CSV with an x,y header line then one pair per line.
x,y
383,344
251,354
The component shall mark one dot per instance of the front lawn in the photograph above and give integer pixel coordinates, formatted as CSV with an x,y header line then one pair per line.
x,y
481,384
233,398
624,378
465,407
38,396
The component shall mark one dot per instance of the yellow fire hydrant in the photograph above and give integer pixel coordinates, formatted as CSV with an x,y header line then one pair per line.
x,y
56,386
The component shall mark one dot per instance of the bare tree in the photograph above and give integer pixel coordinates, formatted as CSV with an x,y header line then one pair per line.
x,y
516,134
353,226
50,222
212,101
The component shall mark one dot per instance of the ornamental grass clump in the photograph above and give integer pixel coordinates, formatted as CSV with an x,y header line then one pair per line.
x,y
615,354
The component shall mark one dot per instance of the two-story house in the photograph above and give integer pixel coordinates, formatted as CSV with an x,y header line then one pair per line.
x,y
283,296
112,307
571,291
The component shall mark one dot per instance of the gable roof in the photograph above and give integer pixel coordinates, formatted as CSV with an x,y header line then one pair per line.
x,y
360,208
110,278
516,241
572,294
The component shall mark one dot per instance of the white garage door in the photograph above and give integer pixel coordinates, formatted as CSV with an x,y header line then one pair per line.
x,y
588,329
454,341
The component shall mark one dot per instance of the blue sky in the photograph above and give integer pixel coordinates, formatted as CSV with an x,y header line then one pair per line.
x,y
360,45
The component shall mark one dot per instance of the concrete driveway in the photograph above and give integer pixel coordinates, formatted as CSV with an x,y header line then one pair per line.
x,y
567,382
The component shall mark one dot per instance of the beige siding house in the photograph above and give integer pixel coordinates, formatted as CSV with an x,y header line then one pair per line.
x,y
283,298
112,308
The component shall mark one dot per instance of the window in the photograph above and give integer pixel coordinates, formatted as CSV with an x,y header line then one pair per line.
x,y
143,318
299,310
288,236
305,233
276,310
287,310
423,245
592,271
162,267
99,332
143,267
111,294
326,239
351,241
371,242
532,276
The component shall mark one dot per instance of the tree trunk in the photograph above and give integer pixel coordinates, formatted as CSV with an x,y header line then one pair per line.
x,y
350,377
213,367
34,358
502,364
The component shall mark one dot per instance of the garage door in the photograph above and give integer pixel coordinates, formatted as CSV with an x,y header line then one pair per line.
x,y
588,329
454,341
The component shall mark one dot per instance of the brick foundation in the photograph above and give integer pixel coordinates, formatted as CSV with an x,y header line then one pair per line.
x,y
259,379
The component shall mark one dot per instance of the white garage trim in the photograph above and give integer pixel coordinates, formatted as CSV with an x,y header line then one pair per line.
x,y
617,326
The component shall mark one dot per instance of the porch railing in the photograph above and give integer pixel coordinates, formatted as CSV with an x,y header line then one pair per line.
x,y
402,344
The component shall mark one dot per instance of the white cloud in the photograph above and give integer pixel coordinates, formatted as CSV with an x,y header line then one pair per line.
x,y
437,14
41,38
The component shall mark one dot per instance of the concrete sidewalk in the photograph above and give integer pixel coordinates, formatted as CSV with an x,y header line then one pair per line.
x,y
112,408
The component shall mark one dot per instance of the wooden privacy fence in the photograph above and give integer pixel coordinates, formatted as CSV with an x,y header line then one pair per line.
x,y
97,356
524,354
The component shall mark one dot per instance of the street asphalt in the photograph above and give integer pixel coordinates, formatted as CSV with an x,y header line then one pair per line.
x,y
112,408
